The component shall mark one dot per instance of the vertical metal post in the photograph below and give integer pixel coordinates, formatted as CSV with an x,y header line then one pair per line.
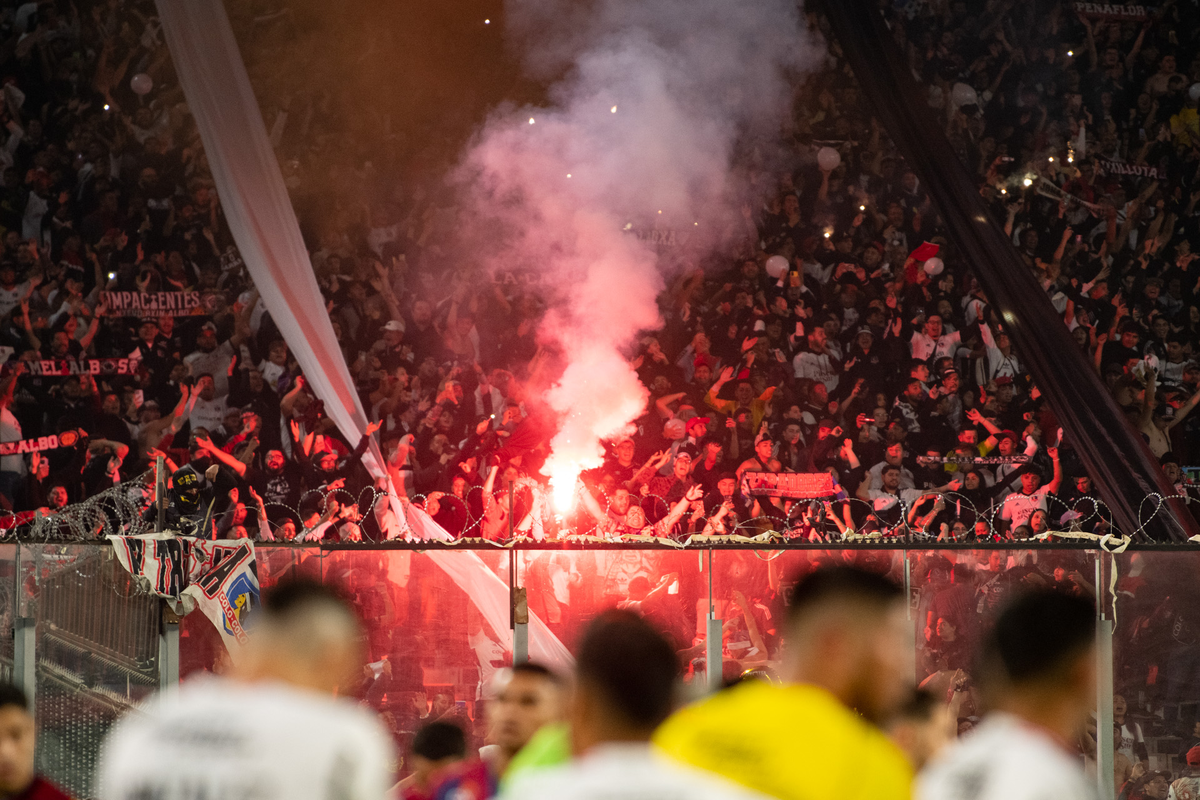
x,y
1105,778
24,675
25,658
713,661
160,494
910,663
518,604
521,628
168,650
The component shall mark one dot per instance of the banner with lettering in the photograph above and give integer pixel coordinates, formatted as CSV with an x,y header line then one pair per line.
x,y
60,368
225,588
219,578
1114,11
152,304
1108,166
795,485
39,443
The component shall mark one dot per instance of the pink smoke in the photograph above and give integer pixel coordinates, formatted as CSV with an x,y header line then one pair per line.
x,y
642,129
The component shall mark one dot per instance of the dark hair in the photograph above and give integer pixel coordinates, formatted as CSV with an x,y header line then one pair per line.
x,y
293,597
631,665
1037,636
438,740
12,695
919,707
839,584
536,670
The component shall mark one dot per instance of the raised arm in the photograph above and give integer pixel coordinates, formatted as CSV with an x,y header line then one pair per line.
x,y
664,526
1149,399
1056,481
863,492
222,456
590,503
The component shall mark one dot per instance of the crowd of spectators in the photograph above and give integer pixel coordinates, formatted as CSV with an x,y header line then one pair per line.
x,y
867,357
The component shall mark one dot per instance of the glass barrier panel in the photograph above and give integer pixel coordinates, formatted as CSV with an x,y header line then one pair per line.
x,y
1156,661
97,653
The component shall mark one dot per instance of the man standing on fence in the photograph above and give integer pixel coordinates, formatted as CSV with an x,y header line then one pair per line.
x,y
273,731
18,781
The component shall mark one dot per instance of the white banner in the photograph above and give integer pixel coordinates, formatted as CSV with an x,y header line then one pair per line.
x,y
256,202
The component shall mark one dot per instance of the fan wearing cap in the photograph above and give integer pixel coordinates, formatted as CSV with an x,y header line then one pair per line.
x,y
1019,506
149,347
671,487
1187,785
932,340
865,361
391,350
211,358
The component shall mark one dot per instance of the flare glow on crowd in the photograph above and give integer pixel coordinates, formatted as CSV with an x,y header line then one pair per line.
x,y
650,247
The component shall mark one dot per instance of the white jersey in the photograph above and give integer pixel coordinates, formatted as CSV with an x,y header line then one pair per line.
x,y
1018,507
11,298
1005,758
626,771
219,739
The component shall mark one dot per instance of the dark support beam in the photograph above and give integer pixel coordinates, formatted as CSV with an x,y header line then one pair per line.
x,y
1121,465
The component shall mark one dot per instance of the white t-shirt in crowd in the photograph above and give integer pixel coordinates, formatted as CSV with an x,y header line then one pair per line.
x,y
10,431
208,414
11,298
220,739
1019,507
626,771
215,363
1005,758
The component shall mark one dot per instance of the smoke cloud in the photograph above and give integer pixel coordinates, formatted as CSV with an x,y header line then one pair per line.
x,y
650,101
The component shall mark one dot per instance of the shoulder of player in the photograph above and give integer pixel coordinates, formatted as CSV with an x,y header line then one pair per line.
x,y
1007,762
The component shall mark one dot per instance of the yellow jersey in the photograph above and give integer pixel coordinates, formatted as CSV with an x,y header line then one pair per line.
x,y
792,742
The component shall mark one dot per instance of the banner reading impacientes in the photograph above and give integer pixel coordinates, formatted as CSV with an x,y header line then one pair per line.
x,y
152,304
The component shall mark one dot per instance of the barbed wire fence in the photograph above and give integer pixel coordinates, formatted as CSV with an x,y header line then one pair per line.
x,y
125,509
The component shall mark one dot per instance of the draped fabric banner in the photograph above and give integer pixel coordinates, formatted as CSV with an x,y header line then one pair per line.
x,y
218,577
256,202
260,215
490,594
1124,469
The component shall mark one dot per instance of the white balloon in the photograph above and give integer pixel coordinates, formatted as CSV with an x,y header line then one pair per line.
x,y
964,95
934,266
828,159
1194,91
776,266
141,83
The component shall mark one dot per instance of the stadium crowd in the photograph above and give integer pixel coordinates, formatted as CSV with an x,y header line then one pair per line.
x,y
837,332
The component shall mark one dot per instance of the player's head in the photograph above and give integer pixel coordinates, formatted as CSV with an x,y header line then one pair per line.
x,y
626,675
847,633
305,634
1042,652
17,738
435,746
527,698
